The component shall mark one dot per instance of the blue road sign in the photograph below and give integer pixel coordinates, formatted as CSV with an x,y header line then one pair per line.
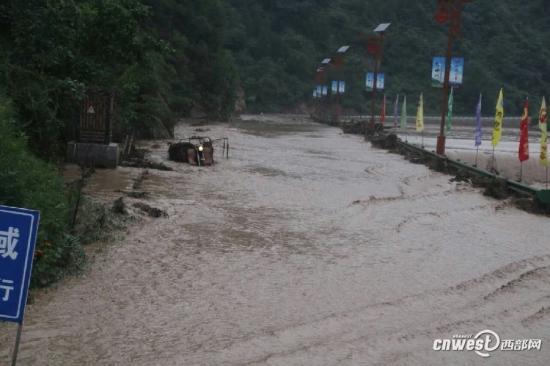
x,y
18,231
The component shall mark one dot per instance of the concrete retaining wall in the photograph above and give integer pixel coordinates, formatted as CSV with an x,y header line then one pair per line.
x,y
93,155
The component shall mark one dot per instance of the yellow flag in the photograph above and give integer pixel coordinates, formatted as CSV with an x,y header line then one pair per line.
x,y
420,115
499,118
543,124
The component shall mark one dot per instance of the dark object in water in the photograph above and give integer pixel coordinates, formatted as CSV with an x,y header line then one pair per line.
x,y
353,127
144,163
195,151
151,211
119,207
178,152
388,142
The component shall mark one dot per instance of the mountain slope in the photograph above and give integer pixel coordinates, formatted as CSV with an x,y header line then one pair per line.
x,y
278,44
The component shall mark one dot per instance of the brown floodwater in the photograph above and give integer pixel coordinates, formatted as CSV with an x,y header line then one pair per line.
x,y
306,247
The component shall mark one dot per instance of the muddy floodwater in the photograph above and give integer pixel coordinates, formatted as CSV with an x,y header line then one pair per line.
x,y
306,247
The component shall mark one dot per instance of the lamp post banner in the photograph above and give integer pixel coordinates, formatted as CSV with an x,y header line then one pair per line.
x,y
456,75
438,72
342,87
457,71
380,81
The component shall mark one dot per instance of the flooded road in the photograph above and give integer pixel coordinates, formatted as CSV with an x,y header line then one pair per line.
x,y
307,247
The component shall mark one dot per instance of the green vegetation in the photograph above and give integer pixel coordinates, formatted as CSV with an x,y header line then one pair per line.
x,y
26,181
163,59
279,44
160,59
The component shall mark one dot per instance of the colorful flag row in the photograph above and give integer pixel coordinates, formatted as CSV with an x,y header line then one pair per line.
x,y
523,151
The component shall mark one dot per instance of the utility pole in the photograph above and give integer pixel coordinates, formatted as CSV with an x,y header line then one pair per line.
x,y
320,81
448,11
338,63
380,30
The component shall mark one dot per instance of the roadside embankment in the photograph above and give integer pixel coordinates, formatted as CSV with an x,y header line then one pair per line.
x,y
526,197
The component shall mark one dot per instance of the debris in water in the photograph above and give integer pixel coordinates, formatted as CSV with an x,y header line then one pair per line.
x,y
144,163
151,211
119,207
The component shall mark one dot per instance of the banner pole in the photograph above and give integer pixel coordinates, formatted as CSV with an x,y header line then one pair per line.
x,y
422,138
477,154
521,171
546,176
17,341
493,163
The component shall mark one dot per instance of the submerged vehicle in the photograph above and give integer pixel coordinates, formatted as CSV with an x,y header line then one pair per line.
x,y
196,150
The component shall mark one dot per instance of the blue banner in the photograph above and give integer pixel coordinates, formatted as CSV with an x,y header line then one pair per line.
x,y
380,81
342,87
438,72
456,73
334,87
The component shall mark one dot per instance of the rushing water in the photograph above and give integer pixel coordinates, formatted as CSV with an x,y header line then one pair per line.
x,y
306,247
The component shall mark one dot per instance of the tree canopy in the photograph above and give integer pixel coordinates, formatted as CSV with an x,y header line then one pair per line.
x,y
160,58
278,45
164,58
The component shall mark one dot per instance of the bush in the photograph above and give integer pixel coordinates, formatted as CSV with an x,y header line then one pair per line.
x,y
26,181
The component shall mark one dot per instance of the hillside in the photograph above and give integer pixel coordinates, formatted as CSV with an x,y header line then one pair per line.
x,y
162,59
278,44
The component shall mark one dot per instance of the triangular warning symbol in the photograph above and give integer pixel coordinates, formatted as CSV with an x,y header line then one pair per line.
x,y
91,110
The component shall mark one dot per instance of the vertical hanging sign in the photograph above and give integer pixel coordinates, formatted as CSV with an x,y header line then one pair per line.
x,y
456,74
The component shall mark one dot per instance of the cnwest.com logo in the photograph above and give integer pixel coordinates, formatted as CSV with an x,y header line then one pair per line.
x,y
485,342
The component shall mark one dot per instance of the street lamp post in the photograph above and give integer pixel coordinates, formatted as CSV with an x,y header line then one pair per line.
x,y
380,30
449,11
320,80
338,63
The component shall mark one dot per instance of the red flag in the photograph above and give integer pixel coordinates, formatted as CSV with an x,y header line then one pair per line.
x,y
383,114
524,134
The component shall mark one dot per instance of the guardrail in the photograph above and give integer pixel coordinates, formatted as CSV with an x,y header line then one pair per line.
x,y
512,185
